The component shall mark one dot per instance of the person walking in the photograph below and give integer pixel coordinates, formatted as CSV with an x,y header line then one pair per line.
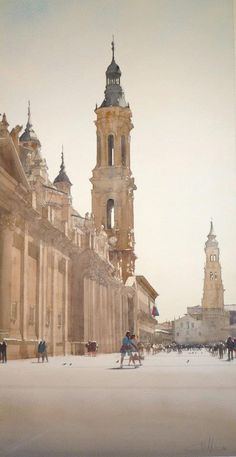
x,y
221,350
125,348
134,354
44,351
230,347
40,350
4,352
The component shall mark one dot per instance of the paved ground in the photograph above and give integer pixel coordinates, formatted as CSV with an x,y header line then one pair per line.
x,y
167,407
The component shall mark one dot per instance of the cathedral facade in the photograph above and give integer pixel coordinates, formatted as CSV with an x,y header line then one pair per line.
x,y
64,277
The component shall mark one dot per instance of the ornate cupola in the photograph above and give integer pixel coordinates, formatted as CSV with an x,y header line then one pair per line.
x,y
213,291
112,180
114,95
29,137
62,181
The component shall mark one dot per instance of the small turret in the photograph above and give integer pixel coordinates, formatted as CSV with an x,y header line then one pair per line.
x,y
62,181
29,137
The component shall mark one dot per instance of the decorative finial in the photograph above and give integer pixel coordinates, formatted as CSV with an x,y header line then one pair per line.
x,y
211,233
3,126
113,47
29,113
62,159
4,120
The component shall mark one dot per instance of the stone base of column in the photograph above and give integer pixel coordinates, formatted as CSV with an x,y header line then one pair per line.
x,y
4,334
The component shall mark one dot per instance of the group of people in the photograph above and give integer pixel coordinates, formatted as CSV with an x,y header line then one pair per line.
x,y
92,348
3,351
42,351
132,348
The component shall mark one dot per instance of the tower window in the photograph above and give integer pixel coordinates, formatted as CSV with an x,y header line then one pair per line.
x,y
213,258
98,150
110,150
110,214
123,151
211,275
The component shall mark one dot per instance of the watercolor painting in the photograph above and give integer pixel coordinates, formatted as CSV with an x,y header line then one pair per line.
x,y
117,228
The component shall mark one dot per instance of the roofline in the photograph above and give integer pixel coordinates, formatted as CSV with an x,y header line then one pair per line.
x,y
147,286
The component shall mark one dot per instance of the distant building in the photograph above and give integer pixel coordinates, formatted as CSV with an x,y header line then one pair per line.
x,y
164,333
206,323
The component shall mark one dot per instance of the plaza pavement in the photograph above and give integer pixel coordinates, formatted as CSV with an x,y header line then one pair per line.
x,y
168,407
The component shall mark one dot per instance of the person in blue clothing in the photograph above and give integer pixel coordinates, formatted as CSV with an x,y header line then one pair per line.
x,y
125,348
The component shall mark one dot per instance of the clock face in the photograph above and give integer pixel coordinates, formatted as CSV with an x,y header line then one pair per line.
x,y
113,240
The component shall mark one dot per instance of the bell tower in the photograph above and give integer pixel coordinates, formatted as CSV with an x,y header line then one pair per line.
x,y
112,181
213,291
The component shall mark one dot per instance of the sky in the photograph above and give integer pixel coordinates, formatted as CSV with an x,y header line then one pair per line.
x,y
178,74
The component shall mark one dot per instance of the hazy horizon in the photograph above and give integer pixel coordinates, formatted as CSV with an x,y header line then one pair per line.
x,y
177,64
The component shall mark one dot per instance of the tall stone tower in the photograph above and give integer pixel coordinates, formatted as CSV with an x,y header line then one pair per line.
x,y
213,292
113,184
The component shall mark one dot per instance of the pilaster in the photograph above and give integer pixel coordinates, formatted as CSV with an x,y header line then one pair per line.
x,y
7,225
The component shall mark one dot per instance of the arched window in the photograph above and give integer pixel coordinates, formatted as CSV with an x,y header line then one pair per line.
x,y
110,214
123,151
98,150
211,275
110,150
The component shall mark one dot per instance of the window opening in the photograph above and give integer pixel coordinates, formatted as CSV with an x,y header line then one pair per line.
x,y
110,150
98,150
110,214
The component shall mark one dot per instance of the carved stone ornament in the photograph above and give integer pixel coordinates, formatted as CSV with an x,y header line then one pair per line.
x,y
98,270
112,240
8,221
145,317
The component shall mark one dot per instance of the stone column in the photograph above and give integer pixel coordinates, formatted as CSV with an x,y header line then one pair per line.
x,y
65,309
7,225
24,285
44,291
54,300
40,285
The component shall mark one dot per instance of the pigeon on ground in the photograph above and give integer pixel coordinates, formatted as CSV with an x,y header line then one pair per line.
x,y
187,361
64,363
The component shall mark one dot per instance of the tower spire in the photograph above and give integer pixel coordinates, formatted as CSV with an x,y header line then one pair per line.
x,y
113,48
62,176
29,115
29,136
114,95
211,233
62,159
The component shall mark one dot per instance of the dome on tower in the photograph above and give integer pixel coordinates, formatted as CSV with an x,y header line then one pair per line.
x,y
62,176
114,95
29,135
113,70
211,237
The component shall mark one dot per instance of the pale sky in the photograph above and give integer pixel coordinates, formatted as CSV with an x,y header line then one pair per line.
x,y
177,63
